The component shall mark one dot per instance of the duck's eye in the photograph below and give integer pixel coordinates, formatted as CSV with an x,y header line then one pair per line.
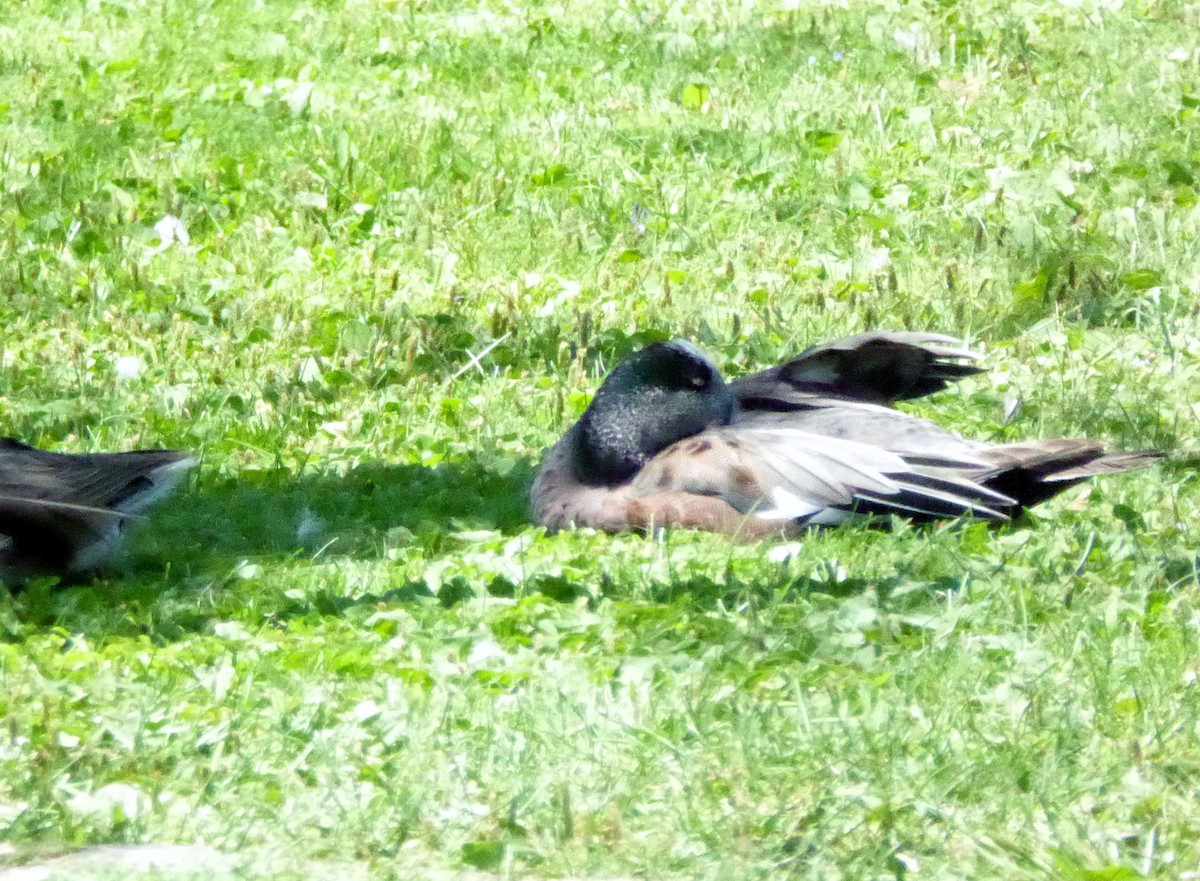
x,y
698,381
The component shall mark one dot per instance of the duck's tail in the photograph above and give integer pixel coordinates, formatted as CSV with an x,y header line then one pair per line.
x,y
1034,471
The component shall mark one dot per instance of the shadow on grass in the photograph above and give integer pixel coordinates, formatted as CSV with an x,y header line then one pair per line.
x,y
359,514
182,562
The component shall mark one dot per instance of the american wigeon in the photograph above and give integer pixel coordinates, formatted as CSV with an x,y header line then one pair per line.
x,y
64,514
667,442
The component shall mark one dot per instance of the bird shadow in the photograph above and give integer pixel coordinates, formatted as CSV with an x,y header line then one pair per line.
x,y
180,564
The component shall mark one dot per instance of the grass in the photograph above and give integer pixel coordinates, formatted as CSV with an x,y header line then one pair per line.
x,y
414,235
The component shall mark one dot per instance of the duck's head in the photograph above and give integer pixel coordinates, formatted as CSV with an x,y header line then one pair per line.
x,y
657,396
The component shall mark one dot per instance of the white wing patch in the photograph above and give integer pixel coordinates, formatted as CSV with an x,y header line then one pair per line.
x,y
786,505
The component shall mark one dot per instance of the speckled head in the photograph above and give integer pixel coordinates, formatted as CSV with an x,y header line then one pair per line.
x,y
657,396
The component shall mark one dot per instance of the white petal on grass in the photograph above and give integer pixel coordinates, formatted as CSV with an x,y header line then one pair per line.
x,y
784,552
129,367
171,230
470,24
908,861
310,371
245,570
297,96
484,652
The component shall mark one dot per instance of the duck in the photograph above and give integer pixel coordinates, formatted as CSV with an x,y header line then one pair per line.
x,y
65,514
666,442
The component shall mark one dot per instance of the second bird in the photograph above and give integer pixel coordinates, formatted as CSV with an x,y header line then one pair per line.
x,y
64,514
666,442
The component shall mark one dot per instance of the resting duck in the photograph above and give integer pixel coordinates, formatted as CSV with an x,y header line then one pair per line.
x,y
63,514
666,442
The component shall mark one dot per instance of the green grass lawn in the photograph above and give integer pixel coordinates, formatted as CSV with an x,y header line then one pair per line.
x,y
369,259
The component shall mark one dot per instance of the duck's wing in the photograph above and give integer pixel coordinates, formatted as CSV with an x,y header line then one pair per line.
x,y
127,483
62,512
875,425
1029,471
879,367
783,478
43,537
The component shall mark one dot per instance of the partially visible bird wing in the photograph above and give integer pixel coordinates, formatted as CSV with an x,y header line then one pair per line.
x,y
37,535
879,367
764,477
128,482
62,512
875,425
781,474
